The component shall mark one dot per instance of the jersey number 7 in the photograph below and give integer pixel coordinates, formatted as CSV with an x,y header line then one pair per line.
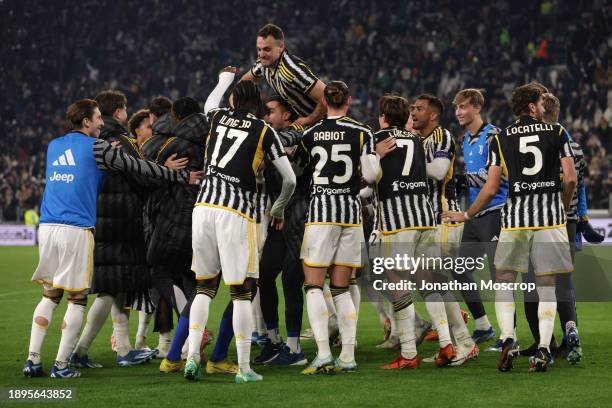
x,y
409,144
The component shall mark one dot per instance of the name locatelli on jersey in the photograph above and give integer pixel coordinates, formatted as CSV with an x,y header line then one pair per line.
x,y
529,129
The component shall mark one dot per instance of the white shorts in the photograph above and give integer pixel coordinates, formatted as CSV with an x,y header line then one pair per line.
x,y
547,249
413,243
326,245
262,233
449,237
223,241
65,257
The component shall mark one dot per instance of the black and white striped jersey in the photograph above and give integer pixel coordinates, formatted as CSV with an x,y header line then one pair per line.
x,y
332,149
529,152
402,184
580,165
292,79
262,203
235,149
442,194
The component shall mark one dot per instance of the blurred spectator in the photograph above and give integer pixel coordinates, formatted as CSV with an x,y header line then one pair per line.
x,y
53,53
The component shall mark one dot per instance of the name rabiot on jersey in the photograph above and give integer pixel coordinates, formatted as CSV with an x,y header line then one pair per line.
x,y
332,149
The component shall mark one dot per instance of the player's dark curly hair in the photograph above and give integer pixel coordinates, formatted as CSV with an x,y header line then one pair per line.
x,y
523,96
336,94
246,97
395,108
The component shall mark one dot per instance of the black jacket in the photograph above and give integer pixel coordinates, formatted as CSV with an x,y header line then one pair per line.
x,y
119,254
169,208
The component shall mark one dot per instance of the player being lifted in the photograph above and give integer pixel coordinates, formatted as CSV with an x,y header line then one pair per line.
x,y
405,217
529,152
288,75
440,158
223,219
334,149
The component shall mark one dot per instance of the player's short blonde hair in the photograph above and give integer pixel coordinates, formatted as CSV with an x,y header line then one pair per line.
x,y
473,95
552,107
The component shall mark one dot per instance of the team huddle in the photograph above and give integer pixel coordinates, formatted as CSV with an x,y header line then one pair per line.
x,y
293,185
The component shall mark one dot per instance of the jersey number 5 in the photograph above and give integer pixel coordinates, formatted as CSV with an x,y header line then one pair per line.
x,y
336,156
537,154
237,135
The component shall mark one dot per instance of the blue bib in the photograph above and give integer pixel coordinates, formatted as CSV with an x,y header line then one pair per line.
x,y
475,156
73,182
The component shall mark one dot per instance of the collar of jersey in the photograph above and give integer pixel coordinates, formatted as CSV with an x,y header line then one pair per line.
x,y
432,131
280,58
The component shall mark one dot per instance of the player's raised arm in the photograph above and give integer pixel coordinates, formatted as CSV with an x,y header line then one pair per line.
x,y
109,158
226,77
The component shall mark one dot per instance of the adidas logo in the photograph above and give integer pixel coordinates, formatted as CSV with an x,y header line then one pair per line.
x,y
66,159
495,238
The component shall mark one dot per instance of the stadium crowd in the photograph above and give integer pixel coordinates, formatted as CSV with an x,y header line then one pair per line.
x,y
175,48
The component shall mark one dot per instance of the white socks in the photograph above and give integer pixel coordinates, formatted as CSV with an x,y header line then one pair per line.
x,y
482,323
355,297
274,336
71,326
144,319
294,344
329,301
435,307
179,298
347,323
547,310
404,320
458,326
121,326
40,324
96,316
164,343
258,321
504,309
318,316
198,316
242,320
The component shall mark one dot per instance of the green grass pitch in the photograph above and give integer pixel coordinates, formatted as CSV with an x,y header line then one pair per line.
x,y
476,384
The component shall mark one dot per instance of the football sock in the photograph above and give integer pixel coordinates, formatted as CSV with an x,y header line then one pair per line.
x,y
71,326
143,328
318,316
273,335
391,315
547,310
482,323
40,324
180,337
404,318
224,338
243,327
197,322
258,320
121,327
458,326
96,316
355,295
505,310
164,342
179,298
347,322
437,312
329,301
293,342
